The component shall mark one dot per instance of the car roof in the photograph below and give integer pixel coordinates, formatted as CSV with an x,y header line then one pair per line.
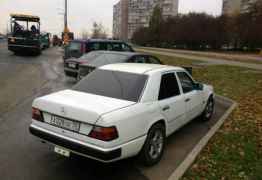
x,y
97,40
126,53
138,68
25,17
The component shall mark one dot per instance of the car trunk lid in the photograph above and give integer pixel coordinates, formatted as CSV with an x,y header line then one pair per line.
x,y
79,106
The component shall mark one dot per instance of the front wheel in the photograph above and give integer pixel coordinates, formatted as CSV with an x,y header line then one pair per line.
x,y
153,148
209,110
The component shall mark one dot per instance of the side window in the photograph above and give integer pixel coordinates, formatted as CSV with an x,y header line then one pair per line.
x,y
168,86
103,46
139,59
125,47
109,47
94,46
117,47
153,60
186,82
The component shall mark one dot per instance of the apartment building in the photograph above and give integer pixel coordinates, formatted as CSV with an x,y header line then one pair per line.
x,y
117,20
134,14
245,5
231,7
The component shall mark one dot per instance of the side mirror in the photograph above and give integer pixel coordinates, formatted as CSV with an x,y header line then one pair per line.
x,y
198,86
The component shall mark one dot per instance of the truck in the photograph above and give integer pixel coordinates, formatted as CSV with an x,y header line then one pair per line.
x,y
25,34
45,40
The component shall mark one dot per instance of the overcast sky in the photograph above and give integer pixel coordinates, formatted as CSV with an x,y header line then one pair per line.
x,y
82,13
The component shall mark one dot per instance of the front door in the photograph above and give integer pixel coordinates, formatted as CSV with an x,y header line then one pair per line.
x,y
192,97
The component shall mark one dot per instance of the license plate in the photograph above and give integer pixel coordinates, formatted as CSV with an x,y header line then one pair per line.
x,y
72,65
65,123
62,151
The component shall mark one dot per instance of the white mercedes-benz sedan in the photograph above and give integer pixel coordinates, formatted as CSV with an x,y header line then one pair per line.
x,y
121,110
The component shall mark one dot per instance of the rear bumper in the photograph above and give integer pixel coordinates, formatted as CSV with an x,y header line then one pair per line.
x,y
16,47
74,146
71,72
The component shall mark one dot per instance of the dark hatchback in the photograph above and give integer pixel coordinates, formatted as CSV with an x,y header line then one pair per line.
x,y
111,57
77,48
71,65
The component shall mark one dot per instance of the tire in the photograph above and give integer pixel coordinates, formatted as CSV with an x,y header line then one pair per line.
x,y
209,110
153,148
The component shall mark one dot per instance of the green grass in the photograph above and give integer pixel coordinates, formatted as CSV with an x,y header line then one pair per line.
x,y
235,152
220,55
176,61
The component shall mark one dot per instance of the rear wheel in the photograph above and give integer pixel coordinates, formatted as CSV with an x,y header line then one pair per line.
x,y
153,148
209,110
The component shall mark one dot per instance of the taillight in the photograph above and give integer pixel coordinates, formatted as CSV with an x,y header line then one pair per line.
x,y
37,115
82,62
104,133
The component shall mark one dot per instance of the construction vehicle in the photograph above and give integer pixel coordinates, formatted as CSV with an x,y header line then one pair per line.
x,y
25,34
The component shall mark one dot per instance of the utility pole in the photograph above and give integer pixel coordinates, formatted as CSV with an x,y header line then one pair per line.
x,y
65,18
66,30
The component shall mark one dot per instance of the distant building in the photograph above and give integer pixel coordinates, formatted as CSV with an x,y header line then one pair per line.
x,y
129,15
231,7
245,5
117,21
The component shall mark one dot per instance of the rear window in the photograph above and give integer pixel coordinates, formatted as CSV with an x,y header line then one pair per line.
x,y
114,84
90,56
95,46
74,46
108,59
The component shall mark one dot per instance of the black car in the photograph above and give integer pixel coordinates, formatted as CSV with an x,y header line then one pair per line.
x,y
71,65
111,57
77,48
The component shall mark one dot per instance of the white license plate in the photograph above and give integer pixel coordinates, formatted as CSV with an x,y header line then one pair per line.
x,y
65,123
62,151
72,65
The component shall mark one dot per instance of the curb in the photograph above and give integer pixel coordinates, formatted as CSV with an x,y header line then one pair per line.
x,y
182,168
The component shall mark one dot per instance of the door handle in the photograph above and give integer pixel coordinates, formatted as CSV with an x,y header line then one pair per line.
x,y
187,100
166,108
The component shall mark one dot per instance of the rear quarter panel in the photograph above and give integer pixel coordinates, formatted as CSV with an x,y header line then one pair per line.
x,y
131,122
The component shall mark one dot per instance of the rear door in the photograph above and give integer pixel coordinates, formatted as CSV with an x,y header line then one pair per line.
x,y
171,101
192,96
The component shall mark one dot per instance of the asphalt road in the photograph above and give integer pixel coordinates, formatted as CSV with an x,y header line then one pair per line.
x,y
24,157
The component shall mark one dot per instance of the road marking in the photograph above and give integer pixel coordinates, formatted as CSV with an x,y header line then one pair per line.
x,y
182,168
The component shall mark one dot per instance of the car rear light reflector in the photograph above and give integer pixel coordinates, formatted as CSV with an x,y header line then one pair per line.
x,y
104,133
37,115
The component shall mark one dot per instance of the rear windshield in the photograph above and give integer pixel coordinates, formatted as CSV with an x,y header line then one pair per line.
x,y
90,56
114,84
74,46
108,58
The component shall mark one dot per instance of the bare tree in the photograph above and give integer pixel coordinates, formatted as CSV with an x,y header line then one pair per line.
x,y
98,31
85,34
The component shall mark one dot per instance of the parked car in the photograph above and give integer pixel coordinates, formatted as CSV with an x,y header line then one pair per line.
x,y
115,57
120,111
71,66
56,41
76,48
